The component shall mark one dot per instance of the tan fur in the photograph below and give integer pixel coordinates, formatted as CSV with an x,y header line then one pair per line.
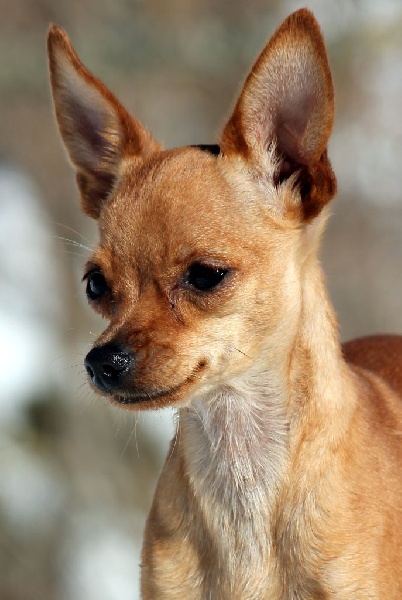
x,y
284,480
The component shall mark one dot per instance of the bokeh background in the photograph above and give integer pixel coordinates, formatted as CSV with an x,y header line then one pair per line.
x,y
76,475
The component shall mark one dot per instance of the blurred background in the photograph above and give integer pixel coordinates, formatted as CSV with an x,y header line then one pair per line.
x,y
76,475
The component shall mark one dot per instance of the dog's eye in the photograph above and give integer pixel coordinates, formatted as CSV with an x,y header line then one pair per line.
x,y
96,285
204,277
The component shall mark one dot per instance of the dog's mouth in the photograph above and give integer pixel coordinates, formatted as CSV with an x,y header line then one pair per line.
x,y
167,395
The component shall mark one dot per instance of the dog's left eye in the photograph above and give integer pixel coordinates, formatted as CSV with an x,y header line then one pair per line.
x,y
205,277
96,285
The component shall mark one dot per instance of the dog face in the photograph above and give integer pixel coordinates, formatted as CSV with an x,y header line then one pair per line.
x,y
201,256
195,276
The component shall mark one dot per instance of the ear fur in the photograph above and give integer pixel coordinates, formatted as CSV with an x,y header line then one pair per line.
x,y
97,130
287,104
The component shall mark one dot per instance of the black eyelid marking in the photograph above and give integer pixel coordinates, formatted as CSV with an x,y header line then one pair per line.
x,y
89,269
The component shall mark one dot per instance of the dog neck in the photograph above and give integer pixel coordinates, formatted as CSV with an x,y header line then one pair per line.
x,y
233,445
242,444
235,442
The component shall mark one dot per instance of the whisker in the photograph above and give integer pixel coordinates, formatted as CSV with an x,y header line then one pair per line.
x,y
241,352
175,438
70,253
74,231
73,242
133,432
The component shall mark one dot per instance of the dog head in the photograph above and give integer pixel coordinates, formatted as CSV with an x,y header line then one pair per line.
x,y
201,253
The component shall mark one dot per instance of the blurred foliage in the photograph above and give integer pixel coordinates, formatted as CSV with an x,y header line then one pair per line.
x,y
177,66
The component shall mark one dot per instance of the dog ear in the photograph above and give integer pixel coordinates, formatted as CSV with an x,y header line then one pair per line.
x,y
287,105
97,130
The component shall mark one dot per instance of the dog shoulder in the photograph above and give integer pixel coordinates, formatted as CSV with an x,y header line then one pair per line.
x,y
380,354
377,363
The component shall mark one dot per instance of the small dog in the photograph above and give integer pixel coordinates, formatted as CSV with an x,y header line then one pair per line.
x,y
284,480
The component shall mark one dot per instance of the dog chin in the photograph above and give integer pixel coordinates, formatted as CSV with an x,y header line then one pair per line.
x,y
151,399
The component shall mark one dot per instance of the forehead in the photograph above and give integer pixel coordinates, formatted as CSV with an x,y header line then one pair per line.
x,y
173,182
181,201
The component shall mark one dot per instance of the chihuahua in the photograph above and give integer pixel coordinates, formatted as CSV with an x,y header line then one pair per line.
x,y
284,480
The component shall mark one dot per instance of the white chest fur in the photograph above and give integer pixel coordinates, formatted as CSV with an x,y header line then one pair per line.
x,y
234,445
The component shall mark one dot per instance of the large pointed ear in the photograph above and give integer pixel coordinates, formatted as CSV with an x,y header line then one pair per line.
x,y
97,130
287,106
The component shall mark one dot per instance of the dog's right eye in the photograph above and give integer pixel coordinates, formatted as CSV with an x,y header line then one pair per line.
x,y
205,277
96,285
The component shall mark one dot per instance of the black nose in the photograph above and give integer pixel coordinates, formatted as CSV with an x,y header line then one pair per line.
x,y
108,365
